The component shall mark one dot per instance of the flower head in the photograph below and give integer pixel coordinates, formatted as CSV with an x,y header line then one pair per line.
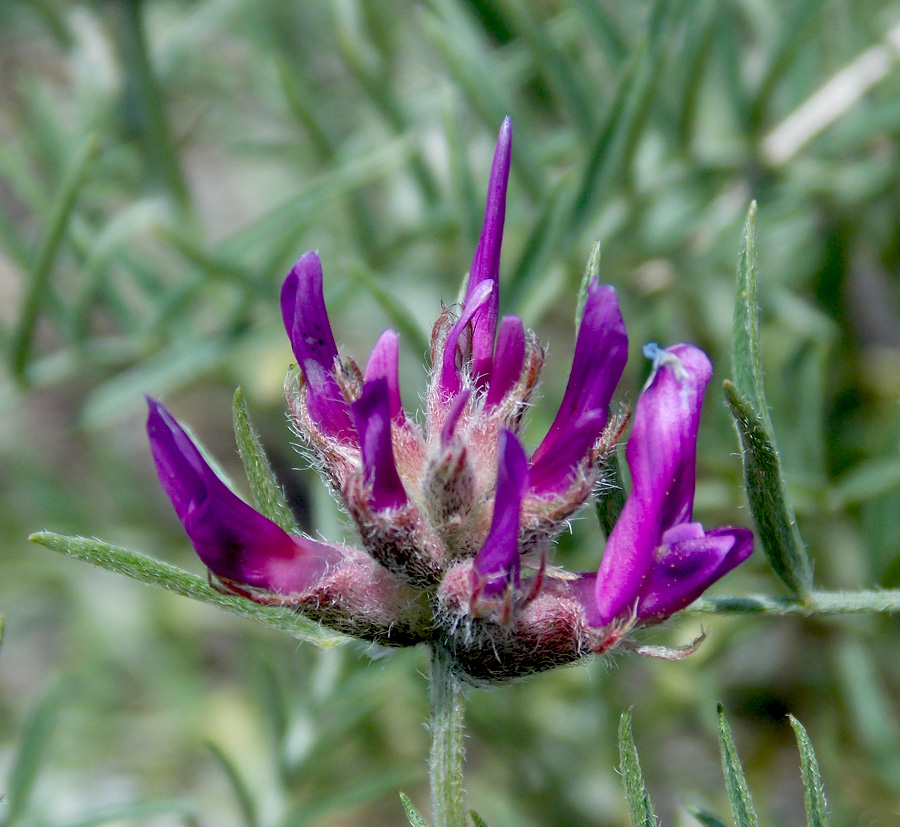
x,y
456,520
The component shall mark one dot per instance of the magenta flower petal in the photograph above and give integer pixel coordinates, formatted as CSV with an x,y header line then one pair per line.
x,y
309,331
661,456
454,412
601,351
450,382
486,264
234,541
555,470
685,568
384,363
508,360
497,563
372,415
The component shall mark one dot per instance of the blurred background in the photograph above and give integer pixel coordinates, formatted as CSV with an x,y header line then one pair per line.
x,y
162,163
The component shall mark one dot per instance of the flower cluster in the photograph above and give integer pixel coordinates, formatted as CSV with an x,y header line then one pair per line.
x,y
456,521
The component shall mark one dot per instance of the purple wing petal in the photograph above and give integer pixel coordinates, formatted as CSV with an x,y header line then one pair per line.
x,y
371,413
661,456
384,363
304,313
486,264
498,560
233,540
454,412
309,331
601,351
685,568
450,382
554,469
508,360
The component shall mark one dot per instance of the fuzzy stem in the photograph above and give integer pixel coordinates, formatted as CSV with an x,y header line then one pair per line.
x,y
447,751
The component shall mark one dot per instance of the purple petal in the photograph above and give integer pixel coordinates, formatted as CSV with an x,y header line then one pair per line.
x,y
661,456
384,363
498,560
601,350
454,411
555,469
685,568
450,382
508,360
486,264
233,540
309,331
371,413
662,450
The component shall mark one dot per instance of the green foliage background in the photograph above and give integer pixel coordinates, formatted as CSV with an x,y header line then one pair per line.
x,y
162,163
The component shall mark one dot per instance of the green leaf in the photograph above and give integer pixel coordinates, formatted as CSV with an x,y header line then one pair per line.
x,y
268,497
51,240
866,481
745,365
774,518
238,786
813,791
766,489
156,573
477,820
618,134
411,813
591,272
610,493
738,793
706,818
30,756
639,805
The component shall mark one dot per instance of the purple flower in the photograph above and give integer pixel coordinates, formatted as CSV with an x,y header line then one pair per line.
x,y
657,560
482,300
601,351
372,415
234,541
497,564
456,522
308,328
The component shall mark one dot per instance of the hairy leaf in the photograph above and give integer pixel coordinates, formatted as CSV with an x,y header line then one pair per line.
x,y
738,793
268,497
639,805
813,790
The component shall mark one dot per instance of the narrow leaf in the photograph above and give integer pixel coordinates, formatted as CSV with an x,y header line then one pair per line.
x,y
268,497
51,240
639,805
738,793
766,489
156,573
30,756
745,364
412,814
706,818
774,518
238,786
591,272
813,790
477,820
610,493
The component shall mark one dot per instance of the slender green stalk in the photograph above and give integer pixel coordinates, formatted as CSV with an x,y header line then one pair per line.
x,y
816,603
447,751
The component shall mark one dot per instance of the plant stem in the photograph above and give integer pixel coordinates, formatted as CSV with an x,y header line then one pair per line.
x,y
447,752
816,603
